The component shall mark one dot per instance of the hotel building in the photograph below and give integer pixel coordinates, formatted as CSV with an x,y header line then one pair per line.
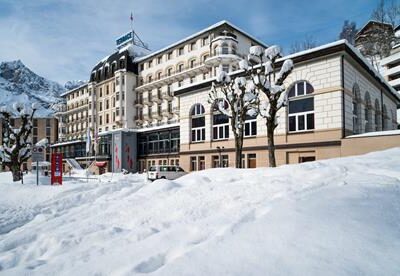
x,y
154,109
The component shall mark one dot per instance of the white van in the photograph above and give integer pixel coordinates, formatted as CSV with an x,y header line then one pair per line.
x,y
164,172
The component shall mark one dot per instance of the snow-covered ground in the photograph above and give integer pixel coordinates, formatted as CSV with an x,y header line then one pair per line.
x,y
333,217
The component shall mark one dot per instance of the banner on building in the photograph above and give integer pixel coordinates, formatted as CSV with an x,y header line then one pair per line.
x,y
56,169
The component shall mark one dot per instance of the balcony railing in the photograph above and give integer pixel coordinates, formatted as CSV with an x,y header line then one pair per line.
x,y
174,72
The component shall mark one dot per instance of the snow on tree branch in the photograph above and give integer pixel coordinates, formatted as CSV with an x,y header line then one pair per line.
x,y
17,143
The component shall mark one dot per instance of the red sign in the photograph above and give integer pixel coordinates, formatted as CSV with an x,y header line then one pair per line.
x,y
56,169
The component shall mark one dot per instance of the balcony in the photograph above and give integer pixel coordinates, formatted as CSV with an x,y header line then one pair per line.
x,y
157,115
157,98
167,113
176,75
138,118
139,102
226,57
148,117
167,95
148,101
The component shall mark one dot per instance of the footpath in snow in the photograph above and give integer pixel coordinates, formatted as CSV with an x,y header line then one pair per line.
x,y
332,217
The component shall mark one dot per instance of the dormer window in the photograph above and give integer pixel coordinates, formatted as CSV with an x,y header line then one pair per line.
x,y
122,64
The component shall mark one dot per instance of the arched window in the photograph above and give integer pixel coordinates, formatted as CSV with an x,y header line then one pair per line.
x,y
220,122
356,106
179,67
192,63
385,118
198,123
224,49
368,113
301,107
169,71
378,120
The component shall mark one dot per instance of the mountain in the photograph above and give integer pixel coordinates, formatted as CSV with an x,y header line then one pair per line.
x,y
74,84
19,84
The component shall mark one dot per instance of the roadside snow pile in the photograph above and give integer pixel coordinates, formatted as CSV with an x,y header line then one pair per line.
x,y
335,217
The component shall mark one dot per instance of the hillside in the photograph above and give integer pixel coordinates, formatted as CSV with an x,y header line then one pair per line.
x,y
332,217
19,84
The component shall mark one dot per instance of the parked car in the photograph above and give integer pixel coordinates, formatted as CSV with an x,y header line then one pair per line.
x,y
164,172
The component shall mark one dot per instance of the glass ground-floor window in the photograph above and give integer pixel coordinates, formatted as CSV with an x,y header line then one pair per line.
x,y
202,163
193,163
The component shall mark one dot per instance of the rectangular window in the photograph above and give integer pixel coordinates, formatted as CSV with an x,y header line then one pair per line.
x,y
202,163
251,160
250,127
204,41
225,161
220,127
215,161
193,46
193,163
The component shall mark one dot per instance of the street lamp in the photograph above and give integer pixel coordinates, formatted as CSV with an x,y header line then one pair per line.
x,y
220,150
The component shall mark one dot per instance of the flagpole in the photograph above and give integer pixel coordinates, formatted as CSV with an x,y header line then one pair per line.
x,y
133,32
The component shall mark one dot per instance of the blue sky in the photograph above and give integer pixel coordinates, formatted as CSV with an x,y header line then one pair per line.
x,y
63,39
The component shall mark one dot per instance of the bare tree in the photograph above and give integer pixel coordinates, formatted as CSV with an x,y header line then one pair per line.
x,y
236,98
17,142
349,31
308,43
262,67
377,41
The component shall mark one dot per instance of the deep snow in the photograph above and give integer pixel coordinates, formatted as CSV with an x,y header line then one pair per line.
x,y
332,217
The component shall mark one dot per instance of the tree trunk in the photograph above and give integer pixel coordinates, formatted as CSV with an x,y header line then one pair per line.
x,y
16,173
238,151
271,143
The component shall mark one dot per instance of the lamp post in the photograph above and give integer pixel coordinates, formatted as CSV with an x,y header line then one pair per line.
x,y
220,150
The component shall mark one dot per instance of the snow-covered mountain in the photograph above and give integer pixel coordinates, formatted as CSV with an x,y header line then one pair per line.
x,y
19,84
74,84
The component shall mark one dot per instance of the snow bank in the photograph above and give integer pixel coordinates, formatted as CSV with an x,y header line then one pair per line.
x,y
335,217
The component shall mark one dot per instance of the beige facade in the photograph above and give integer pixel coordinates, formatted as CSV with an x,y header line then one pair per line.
x,y
73,116
347,98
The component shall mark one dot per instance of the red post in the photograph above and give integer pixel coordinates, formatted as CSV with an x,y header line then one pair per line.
x,y
56,168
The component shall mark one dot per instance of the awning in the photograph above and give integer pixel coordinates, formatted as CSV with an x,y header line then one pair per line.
x,y
101,164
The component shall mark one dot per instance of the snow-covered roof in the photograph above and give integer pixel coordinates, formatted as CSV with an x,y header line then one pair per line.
x,y
216,25
67,143
138,129
73,89
377,133
371,22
